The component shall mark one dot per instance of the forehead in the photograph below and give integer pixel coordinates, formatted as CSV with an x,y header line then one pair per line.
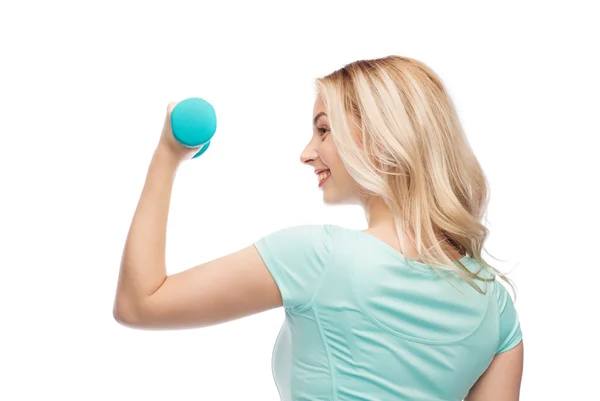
x,y
319,106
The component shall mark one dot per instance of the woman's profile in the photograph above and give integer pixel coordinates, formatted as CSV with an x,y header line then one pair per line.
x,y
406,309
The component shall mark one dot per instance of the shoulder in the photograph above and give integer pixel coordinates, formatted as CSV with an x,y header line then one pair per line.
x,y
297,258
510,325
305,231
301,239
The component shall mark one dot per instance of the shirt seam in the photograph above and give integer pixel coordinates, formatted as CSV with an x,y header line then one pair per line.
x,y
326,268
327,352
509,339
311,305
405,336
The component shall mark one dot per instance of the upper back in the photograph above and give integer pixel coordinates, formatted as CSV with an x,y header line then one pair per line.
x,y
373,326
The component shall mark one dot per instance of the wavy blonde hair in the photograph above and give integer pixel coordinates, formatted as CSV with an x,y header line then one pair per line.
x,y
411,152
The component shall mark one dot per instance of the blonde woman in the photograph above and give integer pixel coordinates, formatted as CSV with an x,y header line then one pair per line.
x,y
406,309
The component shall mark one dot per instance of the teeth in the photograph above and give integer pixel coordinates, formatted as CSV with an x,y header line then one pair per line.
x,y
324,175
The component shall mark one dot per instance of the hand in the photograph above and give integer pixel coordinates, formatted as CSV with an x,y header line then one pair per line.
x,y
169,145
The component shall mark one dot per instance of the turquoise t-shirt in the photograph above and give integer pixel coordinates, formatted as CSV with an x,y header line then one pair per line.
x,y
362,323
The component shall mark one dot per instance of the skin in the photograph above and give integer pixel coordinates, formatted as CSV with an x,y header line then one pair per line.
x,y
239,284
340,188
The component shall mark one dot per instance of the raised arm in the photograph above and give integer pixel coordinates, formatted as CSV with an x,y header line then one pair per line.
x,y
230,287
283,268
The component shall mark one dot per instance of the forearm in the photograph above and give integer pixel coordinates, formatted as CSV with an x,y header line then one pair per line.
x,y
143,265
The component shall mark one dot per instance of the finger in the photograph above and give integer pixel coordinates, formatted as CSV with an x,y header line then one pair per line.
x,y
170,107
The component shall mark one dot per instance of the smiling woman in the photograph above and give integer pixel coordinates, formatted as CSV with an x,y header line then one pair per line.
x,y
406,309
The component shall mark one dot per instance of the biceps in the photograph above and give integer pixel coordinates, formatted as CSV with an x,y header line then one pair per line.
x,y
224,289
502,379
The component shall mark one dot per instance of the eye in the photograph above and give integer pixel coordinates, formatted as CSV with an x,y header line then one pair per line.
x,y
323,131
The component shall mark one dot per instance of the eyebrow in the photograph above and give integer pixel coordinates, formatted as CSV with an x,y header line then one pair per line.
x,y
317,117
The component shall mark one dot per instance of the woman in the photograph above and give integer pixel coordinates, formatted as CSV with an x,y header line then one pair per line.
x,y
404,310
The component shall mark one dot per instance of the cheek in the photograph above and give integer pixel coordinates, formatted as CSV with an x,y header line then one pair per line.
x,y
328,153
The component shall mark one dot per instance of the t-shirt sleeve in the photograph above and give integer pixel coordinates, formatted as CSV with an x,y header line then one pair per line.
x,y
297,258
510,327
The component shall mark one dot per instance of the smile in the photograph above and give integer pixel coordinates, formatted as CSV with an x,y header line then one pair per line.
x,y
323,176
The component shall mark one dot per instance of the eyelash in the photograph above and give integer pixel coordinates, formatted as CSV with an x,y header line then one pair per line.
x,y
323,131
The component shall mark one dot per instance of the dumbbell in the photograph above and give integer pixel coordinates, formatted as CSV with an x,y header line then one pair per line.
x,y
194,122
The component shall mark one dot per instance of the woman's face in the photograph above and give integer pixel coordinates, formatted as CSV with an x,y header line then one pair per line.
x,y
321,154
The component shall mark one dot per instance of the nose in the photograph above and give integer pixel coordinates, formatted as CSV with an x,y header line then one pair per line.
x,y
309,154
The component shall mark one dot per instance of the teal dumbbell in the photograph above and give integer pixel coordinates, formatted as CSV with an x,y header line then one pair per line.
x,y
194,122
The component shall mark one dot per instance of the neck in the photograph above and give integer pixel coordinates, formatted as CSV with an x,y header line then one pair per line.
x,y
380,219
378,214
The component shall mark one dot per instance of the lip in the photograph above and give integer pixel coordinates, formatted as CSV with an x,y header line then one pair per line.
x,y
319,171
324,179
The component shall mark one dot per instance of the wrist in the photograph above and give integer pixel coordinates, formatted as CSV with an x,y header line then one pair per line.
x,y
165,156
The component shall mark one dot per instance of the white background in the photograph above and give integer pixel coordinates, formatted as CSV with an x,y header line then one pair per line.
x,y
84,87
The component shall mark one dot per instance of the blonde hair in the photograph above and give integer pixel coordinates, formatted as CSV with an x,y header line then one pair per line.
x,y
411,152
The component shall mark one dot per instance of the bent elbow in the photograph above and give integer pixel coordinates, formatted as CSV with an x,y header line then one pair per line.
x,y
126,315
